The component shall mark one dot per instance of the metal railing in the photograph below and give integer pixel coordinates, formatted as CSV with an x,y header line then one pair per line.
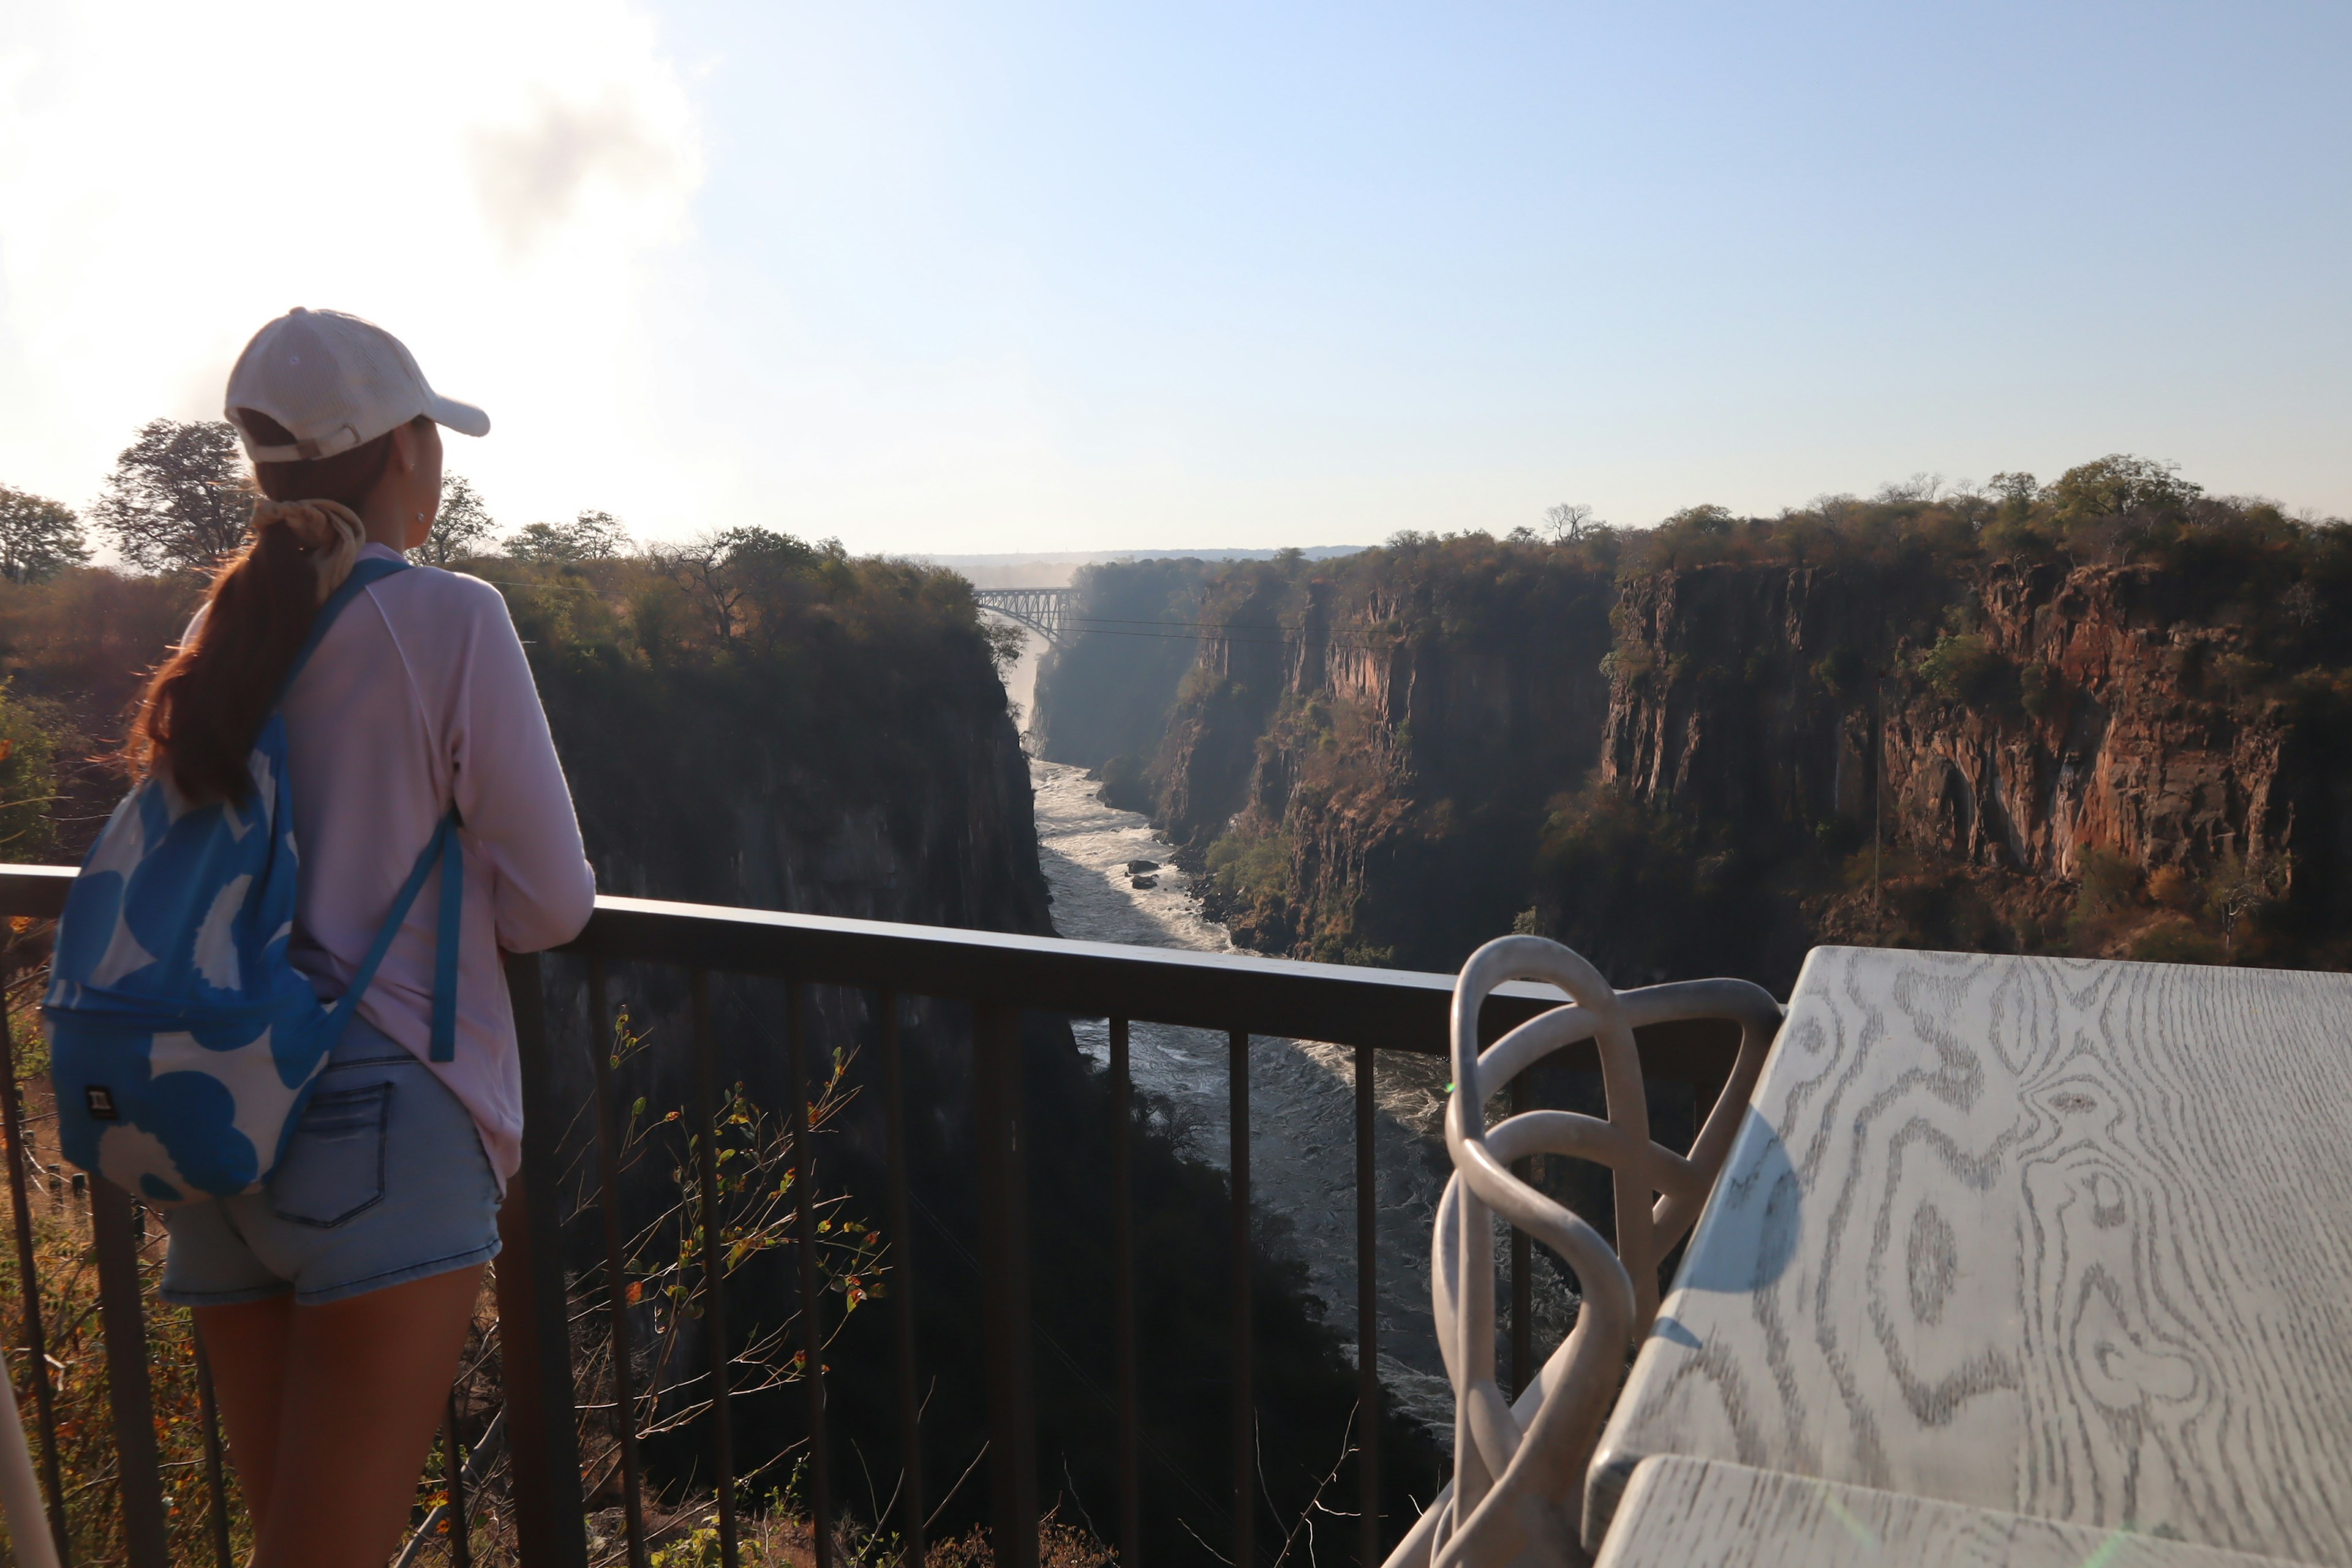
x,y
999,976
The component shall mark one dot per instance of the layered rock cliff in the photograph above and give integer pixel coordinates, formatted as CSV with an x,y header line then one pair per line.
x,y
2106,716
1363,753
2089,710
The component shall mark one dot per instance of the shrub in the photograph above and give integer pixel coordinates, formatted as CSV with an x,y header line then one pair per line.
x,y
2110,881
2038,688
2171,887
1843,674
1964,667
1254,866
2175,940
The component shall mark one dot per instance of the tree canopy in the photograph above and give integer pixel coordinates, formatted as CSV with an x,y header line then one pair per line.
x,y
38,537
462,527
591,536
179,496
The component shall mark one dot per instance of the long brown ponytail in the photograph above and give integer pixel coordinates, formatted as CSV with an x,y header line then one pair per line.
x,y
205,706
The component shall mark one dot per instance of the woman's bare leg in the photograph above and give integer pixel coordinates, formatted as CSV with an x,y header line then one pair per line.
x,y
246,1347
367,1381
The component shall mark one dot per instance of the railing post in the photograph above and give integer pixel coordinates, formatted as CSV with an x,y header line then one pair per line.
x,y
139,1481
1004,1267
1368,1321
37,1347
215,1460
609,1135
812,1284
713,1248
534,1333
1122,1200
902,1291
1244,1405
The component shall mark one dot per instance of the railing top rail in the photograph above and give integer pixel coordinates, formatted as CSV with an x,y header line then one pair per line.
x,y
1388,1008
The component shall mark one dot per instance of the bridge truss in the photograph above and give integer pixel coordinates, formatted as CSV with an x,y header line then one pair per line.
x,y
1045,611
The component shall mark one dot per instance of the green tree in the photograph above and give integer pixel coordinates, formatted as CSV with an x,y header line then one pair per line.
x,y
2238,888
38,537
591,536
28,776
1965,666
2118,485
462,527
1570,521
178,497
718,569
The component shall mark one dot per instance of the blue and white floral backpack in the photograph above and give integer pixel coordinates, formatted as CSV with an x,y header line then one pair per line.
x,y
184,1045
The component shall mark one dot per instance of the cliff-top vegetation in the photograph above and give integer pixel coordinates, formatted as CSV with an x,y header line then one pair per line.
x,y
1934,716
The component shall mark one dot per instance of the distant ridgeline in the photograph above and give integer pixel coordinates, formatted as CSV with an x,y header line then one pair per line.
x,y
2105,716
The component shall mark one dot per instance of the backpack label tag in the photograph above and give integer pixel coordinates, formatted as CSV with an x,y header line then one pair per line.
x,y
99,1100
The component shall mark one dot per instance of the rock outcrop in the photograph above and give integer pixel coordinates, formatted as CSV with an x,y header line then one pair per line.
x,y
1363,753
2091,708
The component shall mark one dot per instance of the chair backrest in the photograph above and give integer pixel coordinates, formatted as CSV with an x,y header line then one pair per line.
x,y
1518,1466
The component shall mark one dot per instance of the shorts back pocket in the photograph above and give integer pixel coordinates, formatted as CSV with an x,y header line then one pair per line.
x,y
334,1167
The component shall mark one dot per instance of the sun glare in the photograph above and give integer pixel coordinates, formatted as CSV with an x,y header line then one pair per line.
x,y
500,183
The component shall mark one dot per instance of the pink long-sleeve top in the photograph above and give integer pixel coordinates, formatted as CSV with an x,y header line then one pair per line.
x,y
418,698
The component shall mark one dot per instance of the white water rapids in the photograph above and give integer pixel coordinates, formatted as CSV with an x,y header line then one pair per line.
x,y
1302,1109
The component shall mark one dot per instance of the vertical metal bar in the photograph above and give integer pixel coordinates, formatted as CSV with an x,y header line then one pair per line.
x,y
714,1263
534,1328
37,1344
1004,1267
1368,1321
617,1262
1122,1212
1522,1265
461,1536
139,1483
215,1475
812,1292
1245,1409
911,1513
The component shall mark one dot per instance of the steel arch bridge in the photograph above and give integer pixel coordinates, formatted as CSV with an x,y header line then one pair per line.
x,y
1045,611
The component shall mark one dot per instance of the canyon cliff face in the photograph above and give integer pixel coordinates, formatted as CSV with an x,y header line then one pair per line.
x,y
922,814
884,780
2095,715
1363,753
1104,692
2085,718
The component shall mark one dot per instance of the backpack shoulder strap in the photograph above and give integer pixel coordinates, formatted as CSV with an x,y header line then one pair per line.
x,y
442,851
367,572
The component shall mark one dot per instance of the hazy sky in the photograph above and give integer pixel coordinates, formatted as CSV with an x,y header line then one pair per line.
x,y
1015,277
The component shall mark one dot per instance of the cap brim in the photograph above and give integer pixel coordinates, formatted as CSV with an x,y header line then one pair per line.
x,y
463,417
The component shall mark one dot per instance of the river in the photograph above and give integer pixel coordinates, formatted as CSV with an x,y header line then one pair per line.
x,y
1302,1106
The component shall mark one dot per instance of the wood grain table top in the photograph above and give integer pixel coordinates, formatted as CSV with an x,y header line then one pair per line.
x,y
2058,1238
1681,1512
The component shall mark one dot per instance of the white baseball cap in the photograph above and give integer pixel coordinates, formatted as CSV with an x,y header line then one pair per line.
x,y
333,381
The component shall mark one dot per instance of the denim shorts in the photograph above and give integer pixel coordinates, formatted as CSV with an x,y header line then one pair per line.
x,y
384,1182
